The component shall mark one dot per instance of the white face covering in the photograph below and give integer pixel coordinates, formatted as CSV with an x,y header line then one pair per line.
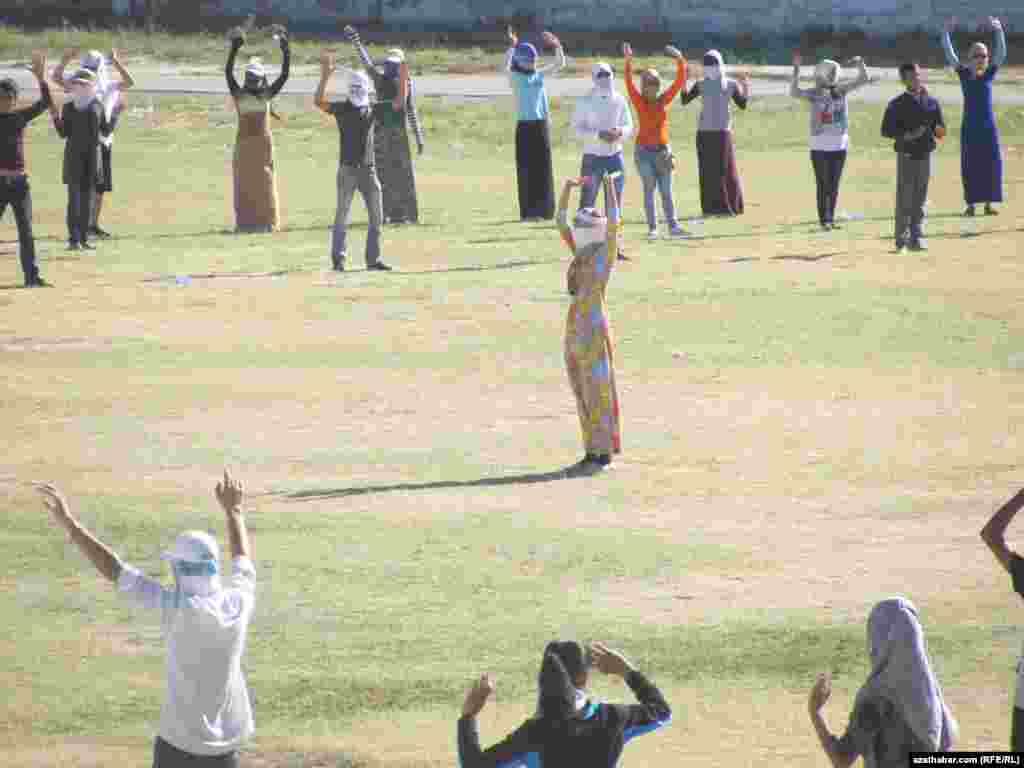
x,y
192,582
589,227
826,74
715,72
602,85
359,90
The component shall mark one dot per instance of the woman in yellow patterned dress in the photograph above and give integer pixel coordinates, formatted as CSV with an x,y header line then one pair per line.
x,y
255,186
588,340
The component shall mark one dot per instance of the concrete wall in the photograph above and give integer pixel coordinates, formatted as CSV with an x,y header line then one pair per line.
x,y
723,17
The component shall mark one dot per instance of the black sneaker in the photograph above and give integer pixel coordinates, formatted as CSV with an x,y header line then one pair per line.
x,y
969,211
919,245
378,266
74,245
338,263
990,211
100,233
85,245
37,282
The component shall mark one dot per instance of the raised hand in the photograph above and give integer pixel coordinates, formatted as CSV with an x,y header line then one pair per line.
x,y
605,659
350,32
855,61
39,65
229,494
798,58
551,40
477,696
55,502
820,693
627,50
950,24
512,36
328,63
673,52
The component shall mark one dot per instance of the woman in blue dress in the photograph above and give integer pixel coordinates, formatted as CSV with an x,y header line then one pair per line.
x,y
981,163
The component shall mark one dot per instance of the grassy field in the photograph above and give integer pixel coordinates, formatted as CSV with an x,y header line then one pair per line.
x,y
810,423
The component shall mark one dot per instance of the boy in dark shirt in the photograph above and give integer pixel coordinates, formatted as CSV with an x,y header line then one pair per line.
x,y
82,122
914,121
14,187
994,535
356,170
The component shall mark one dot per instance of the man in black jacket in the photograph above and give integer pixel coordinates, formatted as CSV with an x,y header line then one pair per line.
x,y
914,121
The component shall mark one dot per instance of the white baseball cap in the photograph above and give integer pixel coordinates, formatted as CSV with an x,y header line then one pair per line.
x,y
193,547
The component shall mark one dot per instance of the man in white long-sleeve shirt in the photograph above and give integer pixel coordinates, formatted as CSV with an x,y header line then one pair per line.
x,y
602,120
206,714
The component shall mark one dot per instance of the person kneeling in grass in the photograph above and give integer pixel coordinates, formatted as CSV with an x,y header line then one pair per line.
x,y
993,534
569,729
900,708
206,713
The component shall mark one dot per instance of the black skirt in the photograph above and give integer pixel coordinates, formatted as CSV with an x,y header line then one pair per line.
x,y
533,170
721,193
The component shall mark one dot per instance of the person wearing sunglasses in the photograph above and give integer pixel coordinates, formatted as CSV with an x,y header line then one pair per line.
x,y
206,714
981,162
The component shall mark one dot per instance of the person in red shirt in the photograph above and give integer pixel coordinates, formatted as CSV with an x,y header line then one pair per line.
x,y
14,186
653,155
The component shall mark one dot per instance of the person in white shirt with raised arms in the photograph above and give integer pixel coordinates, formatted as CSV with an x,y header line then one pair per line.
x,y
206,714
602,120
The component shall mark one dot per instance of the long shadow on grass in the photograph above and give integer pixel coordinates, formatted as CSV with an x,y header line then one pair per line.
x,y
480,267
529,478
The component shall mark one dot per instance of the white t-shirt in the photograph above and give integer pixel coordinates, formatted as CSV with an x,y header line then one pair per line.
x,y
595,113
206,709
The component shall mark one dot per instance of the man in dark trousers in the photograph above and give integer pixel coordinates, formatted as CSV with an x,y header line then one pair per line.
x,y
14,187
82,122
356,170
914,121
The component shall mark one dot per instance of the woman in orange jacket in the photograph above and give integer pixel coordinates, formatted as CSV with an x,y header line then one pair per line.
x,y
653,155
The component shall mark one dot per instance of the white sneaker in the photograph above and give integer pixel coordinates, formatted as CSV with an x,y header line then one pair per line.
x,y
652,234
680,234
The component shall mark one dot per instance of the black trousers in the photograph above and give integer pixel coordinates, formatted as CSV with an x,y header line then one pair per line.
x,y
534,177
168,756
1017,731
81,192
828,170
16,192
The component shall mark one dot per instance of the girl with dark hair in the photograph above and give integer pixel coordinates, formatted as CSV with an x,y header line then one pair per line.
x,y
391,143
255,186
981,162
568,729
830,127
721,193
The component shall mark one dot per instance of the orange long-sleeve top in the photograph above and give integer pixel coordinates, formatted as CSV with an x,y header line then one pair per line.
x,y
653,117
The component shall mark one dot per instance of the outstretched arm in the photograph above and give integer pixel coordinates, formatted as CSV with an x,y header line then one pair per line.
x,y
559,62
829,744
101,556
680,81
947,44
411,113
229,494
517,745
229,68
999,54
127,81
994,532
357,42
286,61
562,217
862,79
328,66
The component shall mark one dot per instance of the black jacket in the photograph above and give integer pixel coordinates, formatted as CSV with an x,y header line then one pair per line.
x,y
907,113
82,129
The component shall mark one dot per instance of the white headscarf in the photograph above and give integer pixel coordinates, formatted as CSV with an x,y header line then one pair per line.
x,y
195,560
359,89
397,54
826,73
902,673
715,73
589,227
602,85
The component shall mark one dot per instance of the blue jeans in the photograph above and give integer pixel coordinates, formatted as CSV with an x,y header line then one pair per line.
x,y
597,166
647,167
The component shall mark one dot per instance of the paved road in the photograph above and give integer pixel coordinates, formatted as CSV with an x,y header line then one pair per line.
x,y
768,81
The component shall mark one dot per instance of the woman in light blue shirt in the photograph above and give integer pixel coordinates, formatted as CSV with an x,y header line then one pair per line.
x,y
534,174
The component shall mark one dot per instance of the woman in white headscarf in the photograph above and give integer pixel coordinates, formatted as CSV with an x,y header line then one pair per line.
x,y
109,93
900,708
391,143
255,185
830,127
721,193
593,240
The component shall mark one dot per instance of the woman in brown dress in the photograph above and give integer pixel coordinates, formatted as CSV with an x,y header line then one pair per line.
x,y
255,187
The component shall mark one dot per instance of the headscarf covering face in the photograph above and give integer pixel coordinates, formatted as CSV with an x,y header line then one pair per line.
x,y
902,673
826,73
524,56
359,89
83,88
602,75
714,69
589,227
255,76
195,560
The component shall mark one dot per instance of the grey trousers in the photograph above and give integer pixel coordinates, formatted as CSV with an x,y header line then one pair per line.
x,y
364,179
912,175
